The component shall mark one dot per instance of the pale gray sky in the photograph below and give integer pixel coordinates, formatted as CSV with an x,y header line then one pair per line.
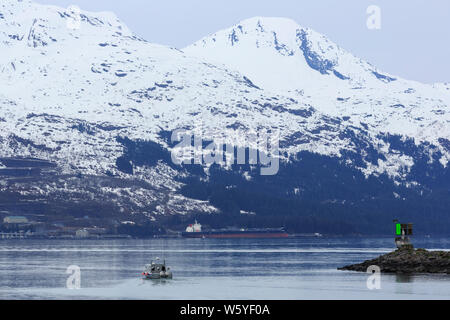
x,y
413,41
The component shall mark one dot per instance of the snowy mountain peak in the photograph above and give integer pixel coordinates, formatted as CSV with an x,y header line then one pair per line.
x,y
279,55
277,52
285,29
42,25
260,30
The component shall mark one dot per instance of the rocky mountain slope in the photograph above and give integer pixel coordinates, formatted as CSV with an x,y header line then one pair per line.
x,y
98,103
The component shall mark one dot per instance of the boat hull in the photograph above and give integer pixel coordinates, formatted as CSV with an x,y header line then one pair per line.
x,y
156,276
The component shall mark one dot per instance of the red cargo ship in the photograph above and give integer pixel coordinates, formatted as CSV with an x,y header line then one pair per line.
x,y
195,231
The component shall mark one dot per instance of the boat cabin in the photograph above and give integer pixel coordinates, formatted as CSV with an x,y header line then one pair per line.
x,y
157,270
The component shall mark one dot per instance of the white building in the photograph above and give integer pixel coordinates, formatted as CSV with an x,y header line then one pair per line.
x,y
82,233
15,219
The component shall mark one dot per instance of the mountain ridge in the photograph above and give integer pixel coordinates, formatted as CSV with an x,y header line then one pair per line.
x,y
326,76
100,103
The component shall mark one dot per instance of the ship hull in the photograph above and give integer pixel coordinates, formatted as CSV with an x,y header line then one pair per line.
x,y
236,235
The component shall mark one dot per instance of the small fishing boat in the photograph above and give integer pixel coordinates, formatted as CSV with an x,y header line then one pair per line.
x,y
157,270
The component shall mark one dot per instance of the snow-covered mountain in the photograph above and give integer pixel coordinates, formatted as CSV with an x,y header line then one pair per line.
x,y
279,55
83,92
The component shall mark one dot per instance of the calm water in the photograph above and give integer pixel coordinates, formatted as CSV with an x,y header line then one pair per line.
x,y
209,269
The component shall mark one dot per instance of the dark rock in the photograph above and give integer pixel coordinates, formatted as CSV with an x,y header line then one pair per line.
x,y
407,260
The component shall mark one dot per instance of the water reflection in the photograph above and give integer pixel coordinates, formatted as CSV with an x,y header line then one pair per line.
x,y
404,284
404,278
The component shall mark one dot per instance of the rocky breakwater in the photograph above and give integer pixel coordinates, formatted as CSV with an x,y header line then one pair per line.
x,y
407,260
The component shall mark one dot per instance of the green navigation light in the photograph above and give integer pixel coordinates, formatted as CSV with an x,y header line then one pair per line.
x,y
399,229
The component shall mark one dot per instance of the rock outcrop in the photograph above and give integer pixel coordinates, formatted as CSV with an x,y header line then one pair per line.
x,y
408,260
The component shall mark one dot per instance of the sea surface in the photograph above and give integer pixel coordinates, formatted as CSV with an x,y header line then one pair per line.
x,y
289,269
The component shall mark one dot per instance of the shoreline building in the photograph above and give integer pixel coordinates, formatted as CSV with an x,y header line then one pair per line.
x,y
15,220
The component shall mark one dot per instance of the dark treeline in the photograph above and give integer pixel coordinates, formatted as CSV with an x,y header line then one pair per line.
x,y
310,193
314,193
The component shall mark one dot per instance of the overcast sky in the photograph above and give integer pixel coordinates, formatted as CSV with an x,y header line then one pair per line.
x,y
413,42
